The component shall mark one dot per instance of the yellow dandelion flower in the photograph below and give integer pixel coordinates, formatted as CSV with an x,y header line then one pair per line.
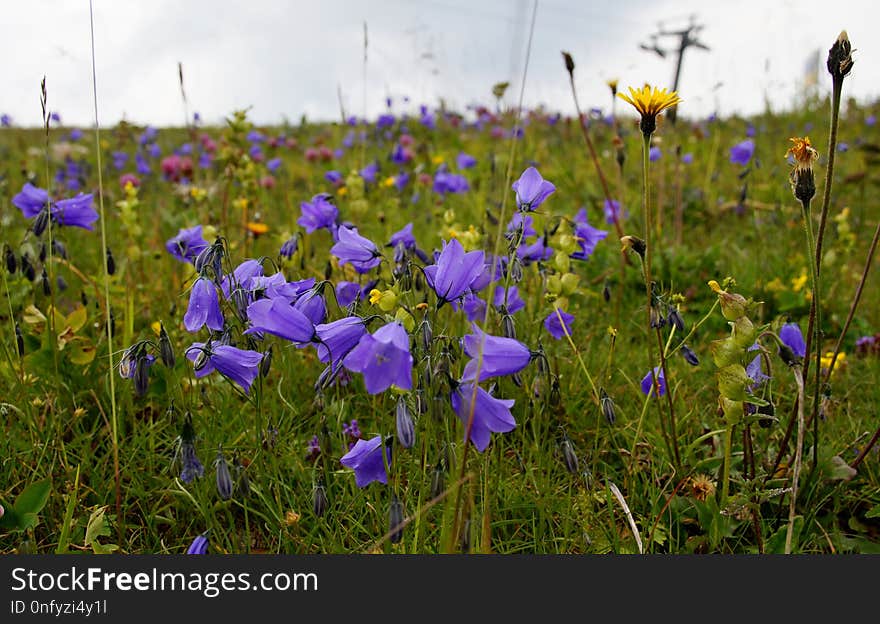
x,y
437,160
388,182
341,191
375,296
650,102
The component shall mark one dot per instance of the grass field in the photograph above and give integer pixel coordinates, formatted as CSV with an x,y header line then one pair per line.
x,y
146,457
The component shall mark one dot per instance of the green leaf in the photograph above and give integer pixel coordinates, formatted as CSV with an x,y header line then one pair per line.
x,y
874,512
97,526
33,498
839,470
775,544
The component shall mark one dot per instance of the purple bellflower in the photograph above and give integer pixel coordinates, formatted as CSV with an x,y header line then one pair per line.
x,y
515,303
30,200
204,307
365,458
76,211
741,153
445,182
239,365
465,161
347,293
454,271
199,546
531,190
791,336
587,236
383,358
489,414
354,249
555,328
403,237
500,356
188,244
337,339
318,213
648,382
279,318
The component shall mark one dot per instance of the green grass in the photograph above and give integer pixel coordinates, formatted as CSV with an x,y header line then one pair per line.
x,y
517,496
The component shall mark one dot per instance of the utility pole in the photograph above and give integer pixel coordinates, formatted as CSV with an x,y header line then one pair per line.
x,y
687,38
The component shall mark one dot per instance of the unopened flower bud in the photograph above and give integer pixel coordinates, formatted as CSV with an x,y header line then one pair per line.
x,y
569,62
508,329
569,456
395,520
266,362
689,356
141,376
607,404
44,280
406,433
40,223
320,504
111,263
9,257
674,318
166,351
224,478
840,60
789,356
27,268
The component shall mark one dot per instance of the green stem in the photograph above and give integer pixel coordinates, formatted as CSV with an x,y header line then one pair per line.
x,y
646,266
815,323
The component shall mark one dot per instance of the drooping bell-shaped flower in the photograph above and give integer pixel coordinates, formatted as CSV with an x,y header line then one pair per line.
x,y
204,307
490,415
383,358
500,356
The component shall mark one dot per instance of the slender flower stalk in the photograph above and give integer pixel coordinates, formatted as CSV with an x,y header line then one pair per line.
x,y
799,379
650,103
569,66
804,188
107,311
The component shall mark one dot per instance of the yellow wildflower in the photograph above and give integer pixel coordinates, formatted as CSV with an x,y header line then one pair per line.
x,y
650,102
798,283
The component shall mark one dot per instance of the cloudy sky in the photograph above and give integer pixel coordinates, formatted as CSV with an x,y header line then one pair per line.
x,y
289,58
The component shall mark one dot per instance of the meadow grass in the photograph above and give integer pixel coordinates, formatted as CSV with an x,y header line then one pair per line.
x,y
518,496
